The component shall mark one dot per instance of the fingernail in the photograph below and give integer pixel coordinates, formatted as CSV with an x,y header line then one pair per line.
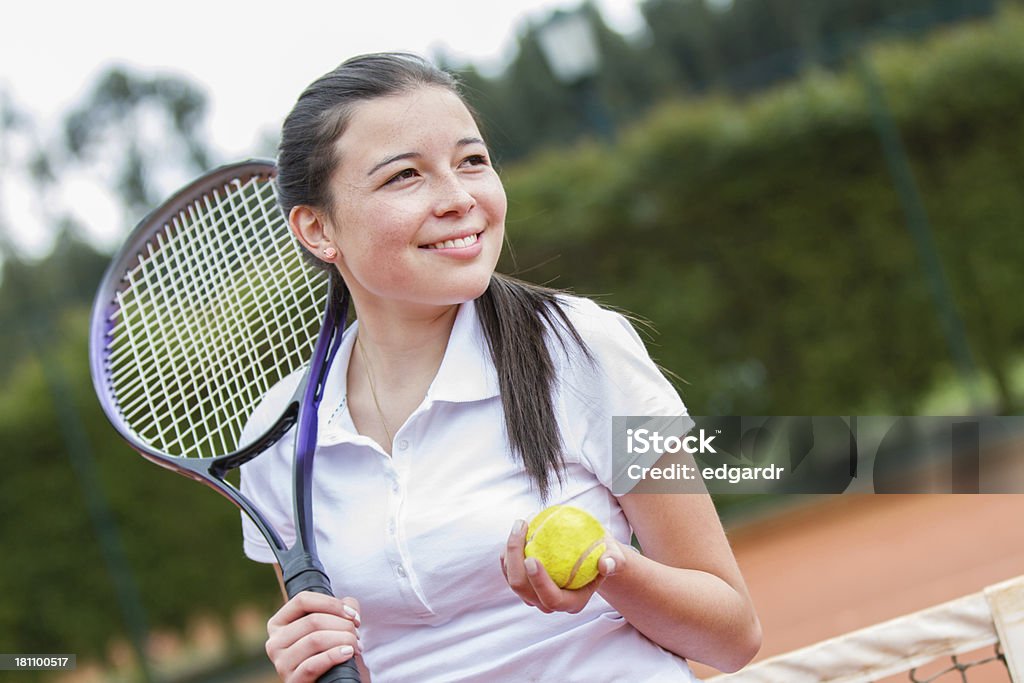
x,y
518,528
346,651
359,646
609,566
352,613
531,566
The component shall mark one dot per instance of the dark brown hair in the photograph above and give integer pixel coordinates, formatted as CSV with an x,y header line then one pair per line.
x,y
517,317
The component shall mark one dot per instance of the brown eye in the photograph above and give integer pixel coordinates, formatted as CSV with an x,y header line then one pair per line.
x,y
402,175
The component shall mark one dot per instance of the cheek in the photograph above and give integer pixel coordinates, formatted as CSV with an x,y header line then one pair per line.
x,y
503,207
493,199
380,225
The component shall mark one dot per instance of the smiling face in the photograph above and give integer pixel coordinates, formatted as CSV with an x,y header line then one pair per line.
x,y
418,212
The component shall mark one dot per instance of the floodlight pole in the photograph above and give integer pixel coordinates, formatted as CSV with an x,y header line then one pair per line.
x,y
920,230
571,51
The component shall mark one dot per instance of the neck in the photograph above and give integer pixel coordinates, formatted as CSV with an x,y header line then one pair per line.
x,y
407,348
397,359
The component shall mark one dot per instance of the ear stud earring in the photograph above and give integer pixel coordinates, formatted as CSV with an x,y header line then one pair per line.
x,y
330,253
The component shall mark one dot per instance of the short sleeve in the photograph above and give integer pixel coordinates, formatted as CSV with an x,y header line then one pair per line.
x,y
266,480
619,380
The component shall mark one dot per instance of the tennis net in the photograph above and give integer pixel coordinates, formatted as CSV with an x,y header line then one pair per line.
x,y
978,638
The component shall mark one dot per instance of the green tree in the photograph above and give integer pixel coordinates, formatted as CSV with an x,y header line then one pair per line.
x,y
113,127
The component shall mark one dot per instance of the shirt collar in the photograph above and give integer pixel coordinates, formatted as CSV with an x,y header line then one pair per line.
x,y
467,372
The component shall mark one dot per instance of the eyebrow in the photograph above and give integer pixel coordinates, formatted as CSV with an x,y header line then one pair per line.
x,y
415,155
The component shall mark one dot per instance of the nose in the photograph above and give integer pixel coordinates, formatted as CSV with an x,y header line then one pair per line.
x,y
453,197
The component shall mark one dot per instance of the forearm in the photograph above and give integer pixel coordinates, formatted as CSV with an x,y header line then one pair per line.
x,y
692,613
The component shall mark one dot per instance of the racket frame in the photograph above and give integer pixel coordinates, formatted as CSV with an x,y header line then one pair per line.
x,y
300,567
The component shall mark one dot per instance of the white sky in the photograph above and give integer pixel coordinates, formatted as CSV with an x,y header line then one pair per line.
x,y
252,58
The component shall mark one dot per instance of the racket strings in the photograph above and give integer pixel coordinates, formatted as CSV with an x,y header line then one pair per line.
x,y
219,327
219,307
179,340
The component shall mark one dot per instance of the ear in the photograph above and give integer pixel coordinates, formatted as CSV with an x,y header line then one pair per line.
x,y
313,231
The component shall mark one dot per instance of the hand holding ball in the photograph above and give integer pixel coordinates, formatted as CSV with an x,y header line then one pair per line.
x,y
569,542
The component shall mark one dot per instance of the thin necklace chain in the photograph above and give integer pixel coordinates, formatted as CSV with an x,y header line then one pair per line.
x,y
373,390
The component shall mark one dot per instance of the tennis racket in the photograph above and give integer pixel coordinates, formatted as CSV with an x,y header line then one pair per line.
x,y
208,305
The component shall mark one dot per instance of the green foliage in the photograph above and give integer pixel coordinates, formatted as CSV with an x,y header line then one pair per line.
x,y
766,239
64,280
115,115
688,47
181,540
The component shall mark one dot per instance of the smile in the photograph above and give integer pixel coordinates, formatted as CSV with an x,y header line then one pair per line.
x,y
460,243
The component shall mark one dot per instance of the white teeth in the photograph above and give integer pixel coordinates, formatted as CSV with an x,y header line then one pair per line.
x,y
455,244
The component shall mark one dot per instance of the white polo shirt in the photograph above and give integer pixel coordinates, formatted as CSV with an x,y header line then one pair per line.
x,y
416,536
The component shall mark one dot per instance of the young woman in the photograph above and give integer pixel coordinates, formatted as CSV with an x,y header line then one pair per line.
x,y
462,402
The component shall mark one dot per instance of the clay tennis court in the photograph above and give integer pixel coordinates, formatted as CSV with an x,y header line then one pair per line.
x,y
831,565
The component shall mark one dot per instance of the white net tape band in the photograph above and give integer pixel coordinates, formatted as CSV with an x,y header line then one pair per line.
x,y
896,646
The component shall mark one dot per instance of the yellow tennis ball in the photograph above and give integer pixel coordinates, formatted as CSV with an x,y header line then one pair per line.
x,y
568,541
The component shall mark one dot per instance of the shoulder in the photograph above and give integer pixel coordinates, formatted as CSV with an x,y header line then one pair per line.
x,y
614,369
607,334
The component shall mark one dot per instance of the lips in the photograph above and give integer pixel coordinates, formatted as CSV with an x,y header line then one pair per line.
x,y
457,243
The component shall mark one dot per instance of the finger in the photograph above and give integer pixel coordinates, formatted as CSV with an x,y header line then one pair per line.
x,y
312,668
515,571
512,564
350,606
555,599
549,595
288,635
290,660
305,603
613,560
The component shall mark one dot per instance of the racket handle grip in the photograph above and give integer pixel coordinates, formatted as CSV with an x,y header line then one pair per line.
x,y
316,581
307,579
340,673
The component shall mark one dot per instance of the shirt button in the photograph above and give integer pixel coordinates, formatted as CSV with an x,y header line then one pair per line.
x,y
400,570
391,527
394,486
403,444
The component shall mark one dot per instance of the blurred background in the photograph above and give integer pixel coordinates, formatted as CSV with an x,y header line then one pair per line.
x,y
817,204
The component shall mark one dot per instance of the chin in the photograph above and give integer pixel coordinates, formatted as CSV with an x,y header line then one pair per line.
x,y
468,290
474,293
